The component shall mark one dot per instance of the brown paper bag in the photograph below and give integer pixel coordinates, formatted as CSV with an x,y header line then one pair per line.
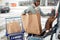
x,y
49,22
13,27
31,23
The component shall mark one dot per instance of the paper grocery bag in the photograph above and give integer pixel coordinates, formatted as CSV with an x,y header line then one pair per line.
x,y
49,22
32,24
13,27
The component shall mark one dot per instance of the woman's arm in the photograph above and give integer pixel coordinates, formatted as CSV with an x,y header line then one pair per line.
x,y
42,14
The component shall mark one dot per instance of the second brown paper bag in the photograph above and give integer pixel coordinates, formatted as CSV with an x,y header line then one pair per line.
x,y
13,27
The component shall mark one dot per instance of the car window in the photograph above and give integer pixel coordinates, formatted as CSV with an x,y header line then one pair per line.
x,y
42,2
52,2
49,2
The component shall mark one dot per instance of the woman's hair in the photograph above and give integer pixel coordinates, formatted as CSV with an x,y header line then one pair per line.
x,y
36,1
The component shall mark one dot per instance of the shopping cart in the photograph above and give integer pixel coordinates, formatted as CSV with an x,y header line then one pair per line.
x,y
15,36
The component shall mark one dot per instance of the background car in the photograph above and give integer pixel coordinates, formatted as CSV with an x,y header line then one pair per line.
x,y
4,9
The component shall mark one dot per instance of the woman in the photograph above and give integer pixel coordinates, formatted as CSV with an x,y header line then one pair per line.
x,y
34,8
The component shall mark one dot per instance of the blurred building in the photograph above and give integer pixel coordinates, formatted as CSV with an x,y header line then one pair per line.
x,y
28,2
